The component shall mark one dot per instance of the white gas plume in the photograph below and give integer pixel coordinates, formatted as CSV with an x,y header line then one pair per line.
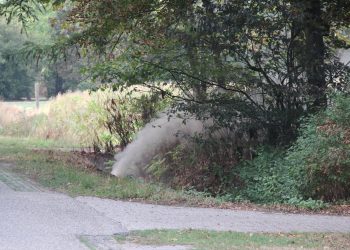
x,y
160,133
344,56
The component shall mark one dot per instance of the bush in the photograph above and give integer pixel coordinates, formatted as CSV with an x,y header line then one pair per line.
x,y
316,167
314,170
307,204
267,178
321,155
124,117
205,165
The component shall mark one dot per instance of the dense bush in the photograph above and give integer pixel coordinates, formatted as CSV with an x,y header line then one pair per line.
x,y
322,153
206,162
315,169
266,179
218,166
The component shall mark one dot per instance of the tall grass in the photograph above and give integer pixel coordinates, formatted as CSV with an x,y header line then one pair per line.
x,y
19,121
80,119
75,118
10,114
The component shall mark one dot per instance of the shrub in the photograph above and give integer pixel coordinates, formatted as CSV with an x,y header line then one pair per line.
x,y
125,116
321,155
119,122
266,179
307,204
314,170
316,167
205,165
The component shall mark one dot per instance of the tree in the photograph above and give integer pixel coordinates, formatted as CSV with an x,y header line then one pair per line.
x,y
16,78
264,62
63,72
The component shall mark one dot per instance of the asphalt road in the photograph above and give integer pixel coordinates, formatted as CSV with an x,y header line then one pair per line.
x,y
32,218
48,221
137,216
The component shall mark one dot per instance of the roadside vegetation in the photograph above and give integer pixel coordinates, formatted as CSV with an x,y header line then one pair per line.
x,y
275,111
102,120
75,175
311,174
210,240
41,161
267,83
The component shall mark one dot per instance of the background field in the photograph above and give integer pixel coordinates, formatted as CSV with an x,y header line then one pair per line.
x,y
28,105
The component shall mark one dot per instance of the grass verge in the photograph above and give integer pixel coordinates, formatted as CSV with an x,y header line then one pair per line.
x,y
76,180
210,240
65,172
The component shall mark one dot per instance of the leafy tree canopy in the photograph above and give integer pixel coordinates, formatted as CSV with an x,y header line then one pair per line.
x,y
266,62
16,79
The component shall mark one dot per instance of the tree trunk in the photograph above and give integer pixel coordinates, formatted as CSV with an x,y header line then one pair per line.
x,y
314,53
58,84
199,88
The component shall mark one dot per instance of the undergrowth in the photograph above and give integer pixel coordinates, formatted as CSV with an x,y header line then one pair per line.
x,y
75,179
312,172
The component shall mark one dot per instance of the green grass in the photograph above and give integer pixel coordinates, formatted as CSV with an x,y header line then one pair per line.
x,y
210,240
12,147
75,180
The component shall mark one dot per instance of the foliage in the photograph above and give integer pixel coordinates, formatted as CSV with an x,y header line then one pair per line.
x,y
63,73
84,119
270,178
321,153
126,115
308,204
259,60
16,78
18,73
315,168
267,179
311,172
203,164
258,63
